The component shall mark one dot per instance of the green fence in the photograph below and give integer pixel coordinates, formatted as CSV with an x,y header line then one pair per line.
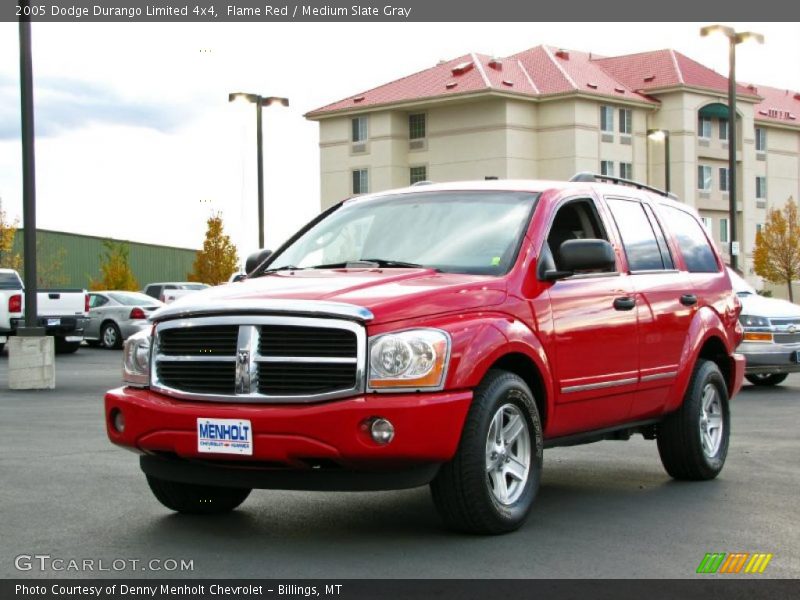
x,y
82,255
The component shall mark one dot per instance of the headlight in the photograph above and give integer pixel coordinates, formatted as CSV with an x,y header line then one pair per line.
x,y
416,358
136,359
751,321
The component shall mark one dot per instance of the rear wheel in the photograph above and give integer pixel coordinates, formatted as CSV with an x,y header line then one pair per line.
x,y
2,345
766,379
110,337
490,485
65,347
693,441
192,499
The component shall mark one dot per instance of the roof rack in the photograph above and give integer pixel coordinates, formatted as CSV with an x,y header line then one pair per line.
x,y
594,178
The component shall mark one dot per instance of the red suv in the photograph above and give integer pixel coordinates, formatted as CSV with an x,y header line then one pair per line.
x,y
442,334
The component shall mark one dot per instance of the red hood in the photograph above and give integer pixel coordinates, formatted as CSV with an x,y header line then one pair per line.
x,y
391,294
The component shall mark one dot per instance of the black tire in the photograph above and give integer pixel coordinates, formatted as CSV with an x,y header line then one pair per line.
x,y
2,345
462,491
192,499
767,379
115,337
65,347
680,442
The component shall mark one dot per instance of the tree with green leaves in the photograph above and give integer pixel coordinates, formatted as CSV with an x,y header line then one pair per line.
x,y
116,273
776,257
218,259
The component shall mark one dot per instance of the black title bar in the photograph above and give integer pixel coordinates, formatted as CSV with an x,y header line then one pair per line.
x,y
266,11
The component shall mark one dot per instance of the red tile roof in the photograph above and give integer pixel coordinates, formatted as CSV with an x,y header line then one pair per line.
x,y
544,70
777,106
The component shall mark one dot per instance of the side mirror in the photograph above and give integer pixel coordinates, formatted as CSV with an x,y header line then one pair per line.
x,y
583,255
256,259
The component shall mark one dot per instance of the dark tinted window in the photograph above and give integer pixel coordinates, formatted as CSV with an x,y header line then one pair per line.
x,y
692,240
638,238
153,290
666,256
10,281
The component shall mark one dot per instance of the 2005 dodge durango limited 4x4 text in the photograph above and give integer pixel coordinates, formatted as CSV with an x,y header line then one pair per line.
x,y
442,334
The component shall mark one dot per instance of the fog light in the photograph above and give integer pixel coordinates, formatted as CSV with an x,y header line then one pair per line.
x,y
117,420
382,431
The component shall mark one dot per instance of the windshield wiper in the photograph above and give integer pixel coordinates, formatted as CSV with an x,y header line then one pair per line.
x,y
283,268
371,263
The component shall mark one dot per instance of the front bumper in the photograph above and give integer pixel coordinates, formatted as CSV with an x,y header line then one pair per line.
x,y
766,357
303,438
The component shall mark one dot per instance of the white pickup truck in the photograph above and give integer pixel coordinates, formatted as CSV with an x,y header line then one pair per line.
x,y
63,313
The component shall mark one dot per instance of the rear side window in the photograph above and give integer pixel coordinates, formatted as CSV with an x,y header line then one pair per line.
x,y
10,281
638,237
692,241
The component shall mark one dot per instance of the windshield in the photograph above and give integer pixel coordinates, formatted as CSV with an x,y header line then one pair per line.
x,y
455,232
134,299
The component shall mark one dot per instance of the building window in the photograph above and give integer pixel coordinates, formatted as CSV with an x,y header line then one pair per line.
x,y
723,179
708,223
761,139
761,188
626,121
607,119
359,129
759,228
416,126
607,167
417,174
626,170
704,127
723,231
360,181
703,178
723,129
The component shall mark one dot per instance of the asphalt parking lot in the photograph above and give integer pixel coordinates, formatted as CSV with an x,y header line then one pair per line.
x,y
604,510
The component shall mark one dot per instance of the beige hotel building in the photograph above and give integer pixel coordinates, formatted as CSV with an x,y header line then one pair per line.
x,y
548,113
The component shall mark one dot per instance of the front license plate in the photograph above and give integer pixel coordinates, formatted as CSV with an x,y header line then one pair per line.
x,y
53,322
224,436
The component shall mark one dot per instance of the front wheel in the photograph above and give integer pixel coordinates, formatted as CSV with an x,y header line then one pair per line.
x,y
766,379
490,485
193,499
693,441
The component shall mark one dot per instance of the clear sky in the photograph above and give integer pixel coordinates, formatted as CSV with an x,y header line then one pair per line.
x,y
136,138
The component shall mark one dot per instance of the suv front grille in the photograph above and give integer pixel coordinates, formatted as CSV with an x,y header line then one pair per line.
x,y
259,359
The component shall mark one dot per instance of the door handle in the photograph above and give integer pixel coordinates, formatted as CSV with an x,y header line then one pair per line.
x,y
688,299
624,303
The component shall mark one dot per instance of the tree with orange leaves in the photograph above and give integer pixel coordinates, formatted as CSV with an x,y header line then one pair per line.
x,y
776,257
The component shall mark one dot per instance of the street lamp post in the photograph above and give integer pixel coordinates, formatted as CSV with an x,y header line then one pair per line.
x,y
658,135
259,101
734,38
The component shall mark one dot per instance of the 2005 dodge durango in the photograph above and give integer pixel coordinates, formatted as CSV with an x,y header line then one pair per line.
x,y
441,334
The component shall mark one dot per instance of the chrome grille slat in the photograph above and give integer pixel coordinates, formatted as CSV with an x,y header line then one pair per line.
x,y
272,358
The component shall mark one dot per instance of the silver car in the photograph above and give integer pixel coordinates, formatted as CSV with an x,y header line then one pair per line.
x,y
771,342
114,316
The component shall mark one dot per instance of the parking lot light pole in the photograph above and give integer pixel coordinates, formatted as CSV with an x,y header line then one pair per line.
x,y
734,38
658,135
259,101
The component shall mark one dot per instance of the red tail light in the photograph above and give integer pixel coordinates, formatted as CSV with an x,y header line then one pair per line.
x,y
86,303
138,313
15,303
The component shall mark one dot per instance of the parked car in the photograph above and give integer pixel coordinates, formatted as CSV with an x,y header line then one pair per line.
x,y
62,312
114,316
171,291
771,342
443,334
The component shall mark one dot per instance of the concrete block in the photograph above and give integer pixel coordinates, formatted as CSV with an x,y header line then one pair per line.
x,y
31,363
